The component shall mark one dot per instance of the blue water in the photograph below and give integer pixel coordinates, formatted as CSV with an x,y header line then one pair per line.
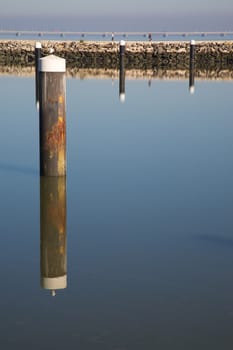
x,y
149,229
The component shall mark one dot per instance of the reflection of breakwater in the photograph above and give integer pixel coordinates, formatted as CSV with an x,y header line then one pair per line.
x,y
211,55
147,74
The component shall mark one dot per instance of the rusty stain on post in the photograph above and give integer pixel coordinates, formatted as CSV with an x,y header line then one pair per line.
x,y
52,121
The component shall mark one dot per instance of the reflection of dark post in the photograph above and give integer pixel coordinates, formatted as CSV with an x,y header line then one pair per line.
x,y
122,71
37,58
192,67
52,116
53,233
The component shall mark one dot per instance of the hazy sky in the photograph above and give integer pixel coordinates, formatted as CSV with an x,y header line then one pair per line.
x,y
117,15
110,6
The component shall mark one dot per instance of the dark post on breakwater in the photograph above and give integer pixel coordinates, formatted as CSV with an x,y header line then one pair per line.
x,y
52,101
37,58
122,71
53,260
192,67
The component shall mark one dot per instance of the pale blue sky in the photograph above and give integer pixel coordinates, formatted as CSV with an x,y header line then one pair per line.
x,y
118,15
109,6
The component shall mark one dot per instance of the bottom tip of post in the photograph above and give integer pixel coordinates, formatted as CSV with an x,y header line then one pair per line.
x,y
122,98
192,90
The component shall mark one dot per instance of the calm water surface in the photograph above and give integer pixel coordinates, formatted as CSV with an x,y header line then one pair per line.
x,y
149,233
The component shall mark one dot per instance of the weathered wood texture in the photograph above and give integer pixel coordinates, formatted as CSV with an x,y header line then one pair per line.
x,y
52,124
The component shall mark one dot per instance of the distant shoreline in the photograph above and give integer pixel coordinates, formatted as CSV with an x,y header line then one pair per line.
x,y
116,35
209,55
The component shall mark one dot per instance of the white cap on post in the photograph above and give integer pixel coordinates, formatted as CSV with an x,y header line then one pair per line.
x,y
122,43
192,42
54,283
52,63
38,45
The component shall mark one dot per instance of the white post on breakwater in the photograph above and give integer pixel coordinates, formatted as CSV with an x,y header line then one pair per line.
x,y
192,67
122,71
52,99
37,58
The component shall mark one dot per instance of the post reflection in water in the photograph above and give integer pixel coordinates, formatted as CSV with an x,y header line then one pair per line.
x,y
122,71
191,77
122,81
53,264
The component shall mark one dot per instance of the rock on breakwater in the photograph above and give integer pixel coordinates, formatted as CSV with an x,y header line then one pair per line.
x,y
143,55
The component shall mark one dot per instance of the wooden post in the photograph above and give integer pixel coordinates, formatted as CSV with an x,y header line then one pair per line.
x,y
122,71
37,58
52,99
192,67
53,261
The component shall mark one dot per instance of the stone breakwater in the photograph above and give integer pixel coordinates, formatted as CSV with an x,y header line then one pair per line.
x,y
141,55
